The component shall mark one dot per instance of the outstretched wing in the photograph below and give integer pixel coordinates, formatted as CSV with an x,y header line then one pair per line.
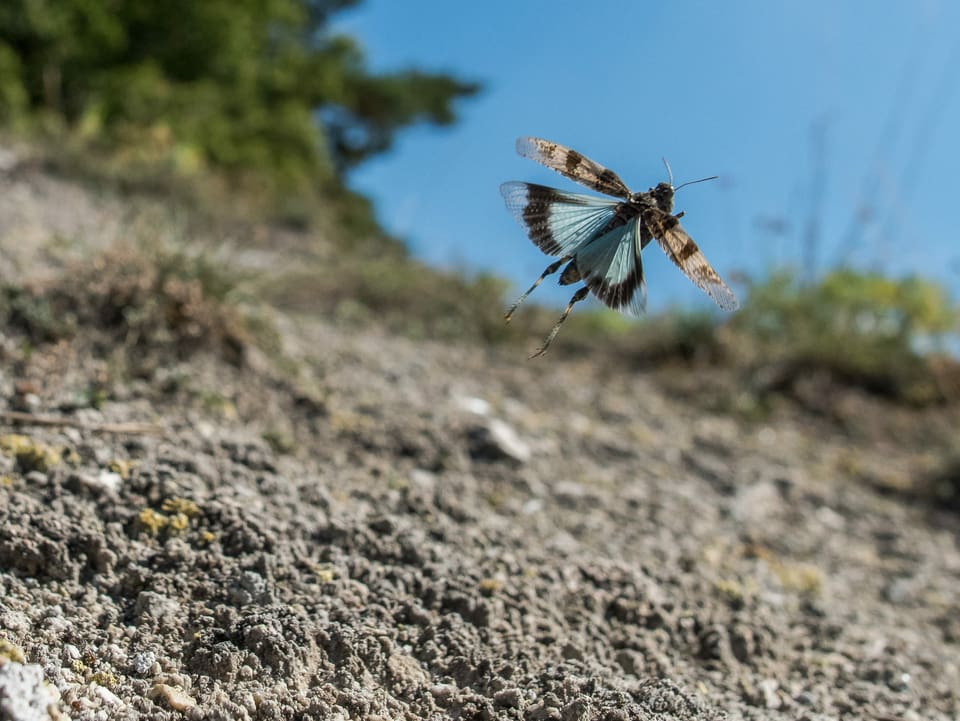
x,y
557,222
573,165
685,254
610,266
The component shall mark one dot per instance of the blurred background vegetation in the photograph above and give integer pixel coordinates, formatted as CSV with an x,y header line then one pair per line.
x,y
256,90
254,108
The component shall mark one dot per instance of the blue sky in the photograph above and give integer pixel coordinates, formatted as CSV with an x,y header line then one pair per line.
x,y
745,90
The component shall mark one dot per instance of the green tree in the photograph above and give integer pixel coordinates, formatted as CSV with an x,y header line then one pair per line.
x,y
243,86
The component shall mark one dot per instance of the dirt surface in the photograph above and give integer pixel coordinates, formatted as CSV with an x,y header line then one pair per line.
x,y
398,530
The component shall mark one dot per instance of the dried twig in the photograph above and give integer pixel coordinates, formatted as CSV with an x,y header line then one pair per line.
x,y
29,419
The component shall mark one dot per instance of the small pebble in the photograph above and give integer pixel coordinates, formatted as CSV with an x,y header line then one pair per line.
x,y
508,697
142,662
176,698
108,696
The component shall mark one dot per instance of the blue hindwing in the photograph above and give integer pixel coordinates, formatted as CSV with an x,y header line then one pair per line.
x,y
610,265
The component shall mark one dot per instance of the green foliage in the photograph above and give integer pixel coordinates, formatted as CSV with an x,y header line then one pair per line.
x,y
860,328
846,305
13,95
368,111
231,85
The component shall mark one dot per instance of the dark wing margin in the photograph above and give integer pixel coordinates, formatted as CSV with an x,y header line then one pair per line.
x,y
571,164
685,254
557,222
611,268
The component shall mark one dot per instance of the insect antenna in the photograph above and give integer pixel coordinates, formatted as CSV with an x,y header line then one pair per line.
x,y
669,171
691,182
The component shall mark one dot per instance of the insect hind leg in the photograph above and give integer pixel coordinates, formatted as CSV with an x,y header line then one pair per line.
x,y
577,297
550,270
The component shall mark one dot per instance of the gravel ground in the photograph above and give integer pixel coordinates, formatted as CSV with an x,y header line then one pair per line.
x,y
392,529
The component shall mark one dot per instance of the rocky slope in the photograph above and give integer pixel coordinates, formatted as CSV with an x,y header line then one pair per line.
x,y
378,528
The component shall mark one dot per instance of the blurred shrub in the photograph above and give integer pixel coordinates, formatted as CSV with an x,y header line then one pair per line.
x,y
887,336
859,328
941,487
148,303
874,312
684,337
397,293
13,96
690,337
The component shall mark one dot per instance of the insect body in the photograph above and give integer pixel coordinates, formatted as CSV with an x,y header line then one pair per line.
x,y
600,239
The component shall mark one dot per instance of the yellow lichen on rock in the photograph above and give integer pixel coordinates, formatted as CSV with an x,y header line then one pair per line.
x,y
10,651
31,455
174,516
183,506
